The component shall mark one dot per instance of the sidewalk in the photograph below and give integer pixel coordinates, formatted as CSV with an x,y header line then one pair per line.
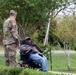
x,y
53,51
1,52
62,51
62,73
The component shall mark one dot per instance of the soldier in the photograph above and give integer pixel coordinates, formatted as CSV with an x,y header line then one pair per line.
x,y
11,39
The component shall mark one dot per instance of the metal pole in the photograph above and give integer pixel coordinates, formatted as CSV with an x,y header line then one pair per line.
x,y
47,33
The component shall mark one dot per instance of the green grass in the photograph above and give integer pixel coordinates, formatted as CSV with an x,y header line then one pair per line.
x,y
2,62
11,70
1,48
58,62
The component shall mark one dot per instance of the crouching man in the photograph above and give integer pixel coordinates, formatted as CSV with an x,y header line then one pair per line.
x,y
35,54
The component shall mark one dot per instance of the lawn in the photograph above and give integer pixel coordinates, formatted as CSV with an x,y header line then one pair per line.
x,y
58,62
1,48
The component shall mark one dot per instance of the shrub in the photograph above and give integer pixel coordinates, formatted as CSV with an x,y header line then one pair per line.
x,y
34,72
21,71
74,46
2,72
13,70
10,70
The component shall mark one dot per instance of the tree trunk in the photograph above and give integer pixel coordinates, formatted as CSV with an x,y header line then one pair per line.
x,y
50,60
68,60
67,55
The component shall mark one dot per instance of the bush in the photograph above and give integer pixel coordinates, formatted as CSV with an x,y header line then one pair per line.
x,y
21,71
74,46
31,72
14,71
10,70
2,71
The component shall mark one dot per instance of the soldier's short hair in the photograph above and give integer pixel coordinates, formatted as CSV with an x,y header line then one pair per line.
x,y
13,12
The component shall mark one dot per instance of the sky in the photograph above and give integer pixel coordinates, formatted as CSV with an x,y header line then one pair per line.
x,y
68,11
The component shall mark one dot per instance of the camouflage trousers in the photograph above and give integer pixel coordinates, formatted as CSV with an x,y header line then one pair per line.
x,y
10,55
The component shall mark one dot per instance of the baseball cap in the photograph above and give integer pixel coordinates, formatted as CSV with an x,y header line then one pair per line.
x,y
13,12
27,38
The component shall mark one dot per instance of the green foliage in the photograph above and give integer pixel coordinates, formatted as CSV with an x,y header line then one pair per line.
x,y
41,34
35,36
33,72
2,71
13,71
30,12
2,60
52,37
74,46
21,71
31,15
56,47
66,30
10,70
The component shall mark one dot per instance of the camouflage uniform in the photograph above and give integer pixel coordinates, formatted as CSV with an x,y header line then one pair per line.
x,y
11,38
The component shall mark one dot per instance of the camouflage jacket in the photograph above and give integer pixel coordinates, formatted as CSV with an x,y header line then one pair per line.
x,y
10,31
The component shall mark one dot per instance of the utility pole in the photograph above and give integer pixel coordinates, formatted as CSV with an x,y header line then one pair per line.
x,y
47,33
46,41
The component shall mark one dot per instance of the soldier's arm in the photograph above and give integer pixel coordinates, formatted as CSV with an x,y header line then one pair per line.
x,y
14,30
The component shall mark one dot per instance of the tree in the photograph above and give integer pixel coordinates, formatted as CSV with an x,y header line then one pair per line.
x,y
66,32
31,12
54,13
